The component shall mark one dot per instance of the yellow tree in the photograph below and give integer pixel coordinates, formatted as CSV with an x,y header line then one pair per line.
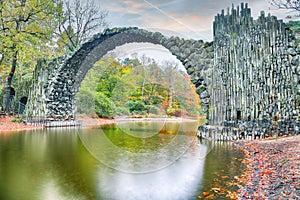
x,y
26,27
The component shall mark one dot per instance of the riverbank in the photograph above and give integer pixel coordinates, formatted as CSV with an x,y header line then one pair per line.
x,y
273,168
9,124
160,119
88,122
12,124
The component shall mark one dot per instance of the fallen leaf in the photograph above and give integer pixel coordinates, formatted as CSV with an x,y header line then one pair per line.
x,y
205,194
231,195
216,189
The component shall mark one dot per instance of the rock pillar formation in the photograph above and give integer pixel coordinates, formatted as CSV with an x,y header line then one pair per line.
x,y
256,68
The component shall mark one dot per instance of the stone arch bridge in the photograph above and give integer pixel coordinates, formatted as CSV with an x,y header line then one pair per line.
x,y
57,83
250,72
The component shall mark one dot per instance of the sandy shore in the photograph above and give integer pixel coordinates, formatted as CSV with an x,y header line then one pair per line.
x,y
273,169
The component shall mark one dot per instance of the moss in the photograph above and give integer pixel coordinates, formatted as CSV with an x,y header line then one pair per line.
x,y
16,120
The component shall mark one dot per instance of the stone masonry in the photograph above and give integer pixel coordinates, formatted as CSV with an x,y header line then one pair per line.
x,y
57,83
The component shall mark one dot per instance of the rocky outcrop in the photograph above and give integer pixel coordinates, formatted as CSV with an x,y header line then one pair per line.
x,y
256,68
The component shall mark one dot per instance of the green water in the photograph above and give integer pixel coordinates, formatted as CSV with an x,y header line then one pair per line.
x,y
76,164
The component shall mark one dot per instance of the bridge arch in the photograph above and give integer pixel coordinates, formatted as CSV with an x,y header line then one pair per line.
x,y
62,77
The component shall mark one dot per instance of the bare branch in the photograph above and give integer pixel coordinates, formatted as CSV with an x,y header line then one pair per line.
x,y
81,20
293,5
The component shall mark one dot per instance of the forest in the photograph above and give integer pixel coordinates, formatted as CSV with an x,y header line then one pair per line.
x,y
137,87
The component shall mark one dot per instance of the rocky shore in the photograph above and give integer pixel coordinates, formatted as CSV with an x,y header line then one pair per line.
x,y
273,168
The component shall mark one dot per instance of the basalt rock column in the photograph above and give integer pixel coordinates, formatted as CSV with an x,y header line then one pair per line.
x,y
256,68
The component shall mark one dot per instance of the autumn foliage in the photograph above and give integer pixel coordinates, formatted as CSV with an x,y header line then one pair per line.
x,y
11,123
134,87
273,169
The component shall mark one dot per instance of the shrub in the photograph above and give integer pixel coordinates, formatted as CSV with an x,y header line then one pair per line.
x,y
104,107
121,111
171,111
15,120
137,107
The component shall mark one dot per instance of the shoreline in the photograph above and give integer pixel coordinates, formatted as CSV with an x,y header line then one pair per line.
x,y
272,168
175,119
88,122
7,126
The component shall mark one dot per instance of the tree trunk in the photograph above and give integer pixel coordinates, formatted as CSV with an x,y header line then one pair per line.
x,y
143,86
6,98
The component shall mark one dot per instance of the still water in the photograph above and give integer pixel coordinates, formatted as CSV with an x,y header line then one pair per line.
x,y
141,160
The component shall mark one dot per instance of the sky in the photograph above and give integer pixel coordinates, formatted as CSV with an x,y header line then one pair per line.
x,y
183,18
137,50
189,19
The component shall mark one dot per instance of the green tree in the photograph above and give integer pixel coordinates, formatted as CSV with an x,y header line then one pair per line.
x,y
104,106
111,75
26,27
106,75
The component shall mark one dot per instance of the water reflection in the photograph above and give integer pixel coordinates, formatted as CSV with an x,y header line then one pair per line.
x,y
180,180
117,148
38,163
54,164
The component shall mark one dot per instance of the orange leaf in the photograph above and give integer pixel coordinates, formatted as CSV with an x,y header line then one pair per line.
x,y
205,194
211,196
217,185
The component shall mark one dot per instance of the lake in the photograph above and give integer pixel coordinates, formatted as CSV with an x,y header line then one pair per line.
x,y
128,160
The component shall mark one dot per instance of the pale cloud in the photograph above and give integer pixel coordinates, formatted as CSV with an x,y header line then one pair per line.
x,y
191,18
125,6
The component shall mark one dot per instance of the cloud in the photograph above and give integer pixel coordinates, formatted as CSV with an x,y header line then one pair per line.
x,y
192,17
125,6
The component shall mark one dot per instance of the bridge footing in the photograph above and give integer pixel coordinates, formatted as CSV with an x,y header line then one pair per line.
x,y
249,130
54,124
